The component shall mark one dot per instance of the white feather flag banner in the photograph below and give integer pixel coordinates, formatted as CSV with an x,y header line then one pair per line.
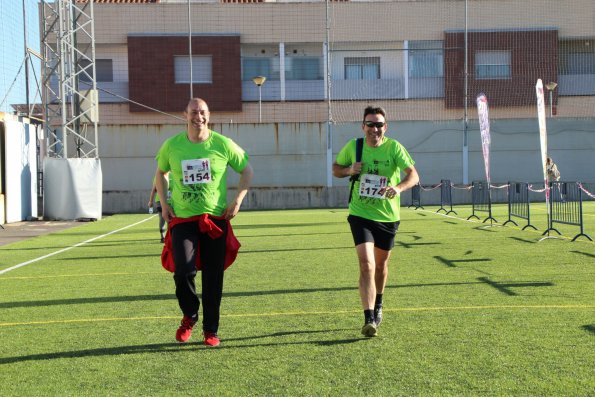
x,y
542,133
484,128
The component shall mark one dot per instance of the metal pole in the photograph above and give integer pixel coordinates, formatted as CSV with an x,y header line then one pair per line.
x,y
465,117
260,103
94,87
76,98
190,48
329,126
63,17
551,105
26,57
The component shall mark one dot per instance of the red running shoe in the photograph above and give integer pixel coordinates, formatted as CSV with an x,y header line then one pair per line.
x,y
211,339
185,331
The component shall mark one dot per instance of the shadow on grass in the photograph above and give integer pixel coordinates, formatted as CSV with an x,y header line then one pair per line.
x,y
412,245
522,240
505,287
453,262
88,235
107,351
90,245
83,258
584,253
139,298
333,342
239,236
84,301
292,249
589,328
179,348
280,225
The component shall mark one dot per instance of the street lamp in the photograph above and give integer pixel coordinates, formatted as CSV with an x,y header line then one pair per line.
x,y
551,86
259,81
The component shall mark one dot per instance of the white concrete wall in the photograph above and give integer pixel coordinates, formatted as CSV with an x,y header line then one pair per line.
x,y
289,159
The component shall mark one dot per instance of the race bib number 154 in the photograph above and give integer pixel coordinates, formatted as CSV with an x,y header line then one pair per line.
x,y
196,171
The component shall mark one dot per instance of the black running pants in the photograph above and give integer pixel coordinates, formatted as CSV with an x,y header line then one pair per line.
x,y
187,240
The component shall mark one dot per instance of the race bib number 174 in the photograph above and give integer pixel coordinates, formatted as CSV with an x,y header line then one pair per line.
x,y
371,185
196,171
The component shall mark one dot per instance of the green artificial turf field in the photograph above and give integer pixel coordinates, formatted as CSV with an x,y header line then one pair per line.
x,y
470,309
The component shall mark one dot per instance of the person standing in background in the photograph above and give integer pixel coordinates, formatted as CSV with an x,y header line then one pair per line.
x,y
553,175
155,202
552,170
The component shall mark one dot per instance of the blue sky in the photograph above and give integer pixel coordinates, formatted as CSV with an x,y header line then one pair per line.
x,y
12,37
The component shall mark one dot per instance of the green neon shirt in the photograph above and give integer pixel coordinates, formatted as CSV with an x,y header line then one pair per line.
x,y
388,160
188,196
157,199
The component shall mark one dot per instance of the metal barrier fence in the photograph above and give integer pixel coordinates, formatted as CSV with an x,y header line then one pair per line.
x,y
519,203
565,202
446,196
416,197
566,207
481,200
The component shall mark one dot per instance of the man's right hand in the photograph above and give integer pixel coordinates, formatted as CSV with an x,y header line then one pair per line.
x,y
167,212
356,168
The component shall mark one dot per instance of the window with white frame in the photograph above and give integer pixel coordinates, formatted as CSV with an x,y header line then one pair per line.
x,y
492,65
426,59
362,68
260,66
303,68
104,70
202,69
577,56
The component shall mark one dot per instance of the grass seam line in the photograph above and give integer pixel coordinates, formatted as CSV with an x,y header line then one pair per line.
x,y
402,309
71,247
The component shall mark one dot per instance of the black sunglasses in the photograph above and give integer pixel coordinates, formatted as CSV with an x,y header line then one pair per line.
x,y
371,124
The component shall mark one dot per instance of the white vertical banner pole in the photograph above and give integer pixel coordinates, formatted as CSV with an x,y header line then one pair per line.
x,y
484,128
543,141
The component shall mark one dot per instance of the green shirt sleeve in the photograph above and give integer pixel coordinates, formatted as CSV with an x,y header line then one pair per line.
x,y
162,157
346,155
237,157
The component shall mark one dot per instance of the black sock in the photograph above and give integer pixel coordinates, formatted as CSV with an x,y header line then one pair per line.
x,y
369,316
378,300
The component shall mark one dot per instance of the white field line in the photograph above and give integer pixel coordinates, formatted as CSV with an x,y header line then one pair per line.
x,y
449,216
71,247
78,275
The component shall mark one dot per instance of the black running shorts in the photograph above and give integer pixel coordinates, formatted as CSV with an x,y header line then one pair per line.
x,y
382,234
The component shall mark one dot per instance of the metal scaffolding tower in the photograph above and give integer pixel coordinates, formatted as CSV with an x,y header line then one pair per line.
x,y
70,96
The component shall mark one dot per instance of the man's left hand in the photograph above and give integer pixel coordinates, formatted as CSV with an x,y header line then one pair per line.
x,y
231,211
390,192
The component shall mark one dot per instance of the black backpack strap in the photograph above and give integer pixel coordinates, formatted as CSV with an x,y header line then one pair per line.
x,y
359,147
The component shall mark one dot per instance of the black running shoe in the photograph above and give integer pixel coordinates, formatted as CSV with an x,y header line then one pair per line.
x,y
369,330
378,315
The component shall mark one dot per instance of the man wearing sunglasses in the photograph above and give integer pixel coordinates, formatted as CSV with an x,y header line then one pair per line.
x,y
374,207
